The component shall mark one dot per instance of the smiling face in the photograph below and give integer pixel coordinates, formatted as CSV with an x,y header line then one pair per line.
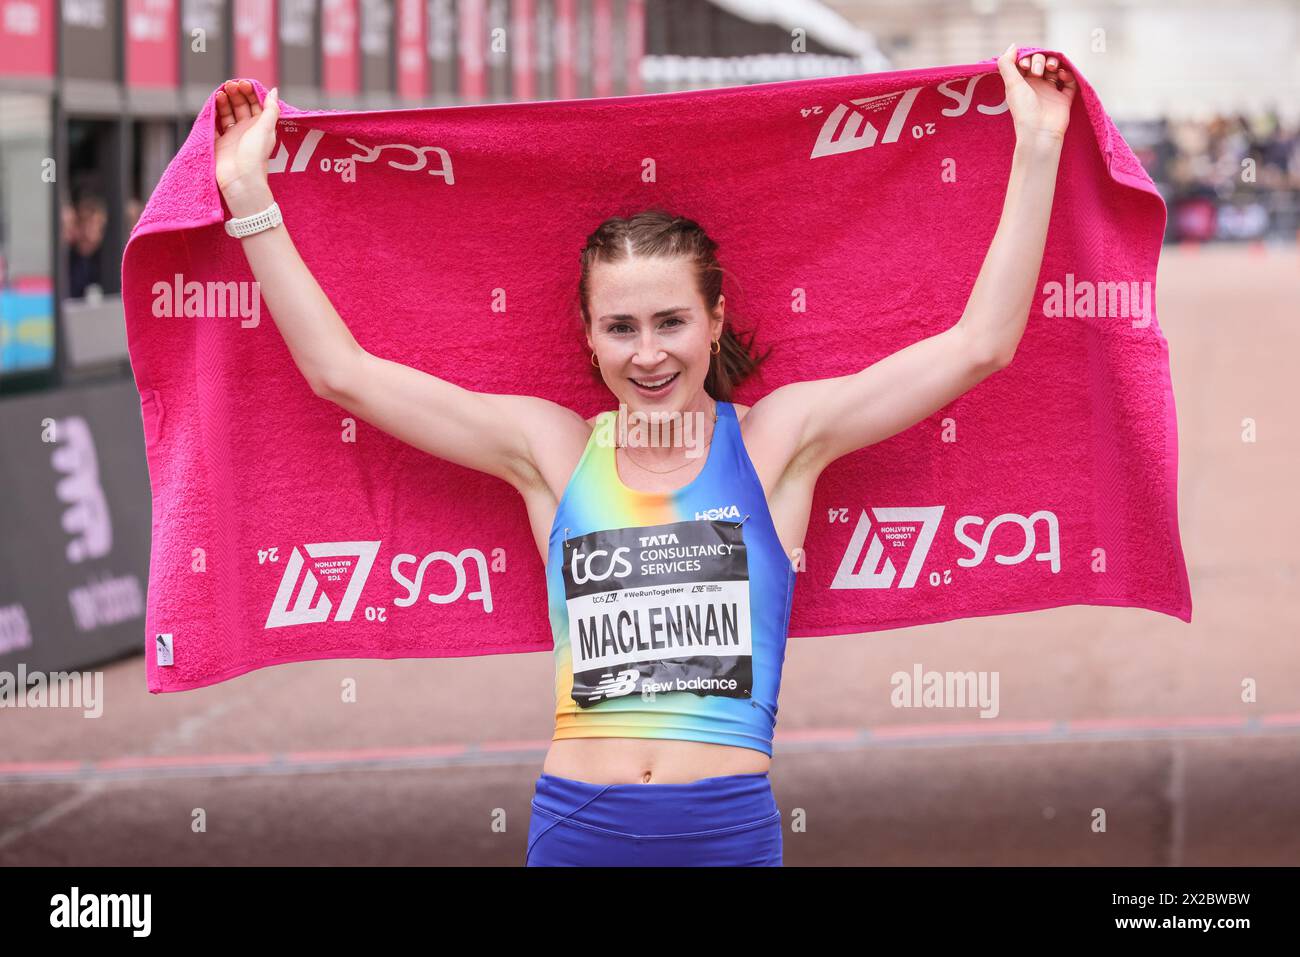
x,y
652,333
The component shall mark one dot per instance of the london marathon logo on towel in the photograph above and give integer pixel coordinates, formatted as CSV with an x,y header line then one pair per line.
x,y
856,125
303,595
659,608
903,537
401,156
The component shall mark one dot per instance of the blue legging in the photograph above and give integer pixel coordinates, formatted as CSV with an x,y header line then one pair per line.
x,y
728,821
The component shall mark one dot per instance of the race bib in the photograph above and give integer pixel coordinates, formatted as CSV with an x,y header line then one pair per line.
x,y
657,609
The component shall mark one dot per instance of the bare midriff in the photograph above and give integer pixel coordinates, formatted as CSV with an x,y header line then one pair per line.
x,y
648,760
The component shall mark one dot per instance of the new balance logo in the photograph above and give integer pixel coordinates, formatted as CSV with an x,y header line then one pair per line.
x,y
615,686
303,611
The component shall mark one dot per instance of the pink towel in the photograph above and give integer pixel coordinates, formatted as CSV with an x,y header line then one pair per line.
x,y
853,215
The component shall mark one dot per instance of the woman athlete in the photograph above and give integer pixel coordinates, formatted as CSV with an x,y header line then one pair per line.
x,y
662,758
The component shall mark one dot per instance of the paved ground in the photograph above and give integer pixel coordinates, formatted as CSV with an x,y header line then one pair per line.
x,y
1120,712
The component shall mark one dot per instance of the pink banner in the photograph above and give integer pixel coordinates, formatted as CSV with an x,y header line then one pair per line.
x,y
152,57
635,45
473,39
27,37
412,66
566,78
522,46
602,29
340,64
255,40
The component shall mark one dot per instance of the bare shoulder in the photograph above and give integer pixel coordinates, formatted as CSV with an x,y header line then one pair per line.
x,y
773,429
532,412
779,413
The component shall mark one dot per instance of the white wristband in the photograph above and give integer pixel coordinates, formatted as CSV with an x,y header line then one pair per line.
x,y
248,225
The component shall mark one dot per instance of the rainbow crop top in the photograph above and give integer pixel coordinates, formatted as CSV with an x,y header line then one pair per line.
x,y
669,609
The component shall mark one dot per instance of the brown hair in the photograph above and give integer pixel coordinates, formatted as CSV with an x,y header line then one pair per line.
x,y
654,232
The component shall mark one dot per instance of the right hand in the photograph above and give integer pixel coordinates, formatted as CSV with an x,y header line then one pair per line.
x,y
245,138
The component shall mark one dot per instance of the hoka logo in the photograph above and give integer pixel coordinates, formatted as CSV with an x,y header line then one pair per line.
x,y
717,514
615,686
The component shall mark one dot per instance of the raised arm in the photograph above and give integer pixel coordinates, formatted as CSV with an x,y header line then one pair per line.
x,y
496,434
824,419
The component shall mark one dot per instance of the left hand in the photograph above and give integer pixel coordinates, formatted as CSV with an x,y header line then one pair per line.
x,y
1037,105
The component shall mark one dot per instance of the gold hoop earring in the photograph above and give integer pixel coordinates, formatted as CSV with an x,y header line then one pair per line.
x,y
594,361
718,343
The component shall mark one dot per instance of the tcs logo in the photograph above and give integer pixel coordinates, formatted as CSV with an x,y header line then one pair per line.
x,y
599,565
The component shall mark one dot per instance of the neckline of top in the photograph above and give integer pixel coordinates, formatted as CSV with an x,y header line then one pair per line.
x,y
725,412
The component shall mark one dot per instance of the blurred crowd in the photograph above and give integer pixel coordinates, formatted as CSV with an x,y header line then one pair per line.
x,y
1229,177
84,222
